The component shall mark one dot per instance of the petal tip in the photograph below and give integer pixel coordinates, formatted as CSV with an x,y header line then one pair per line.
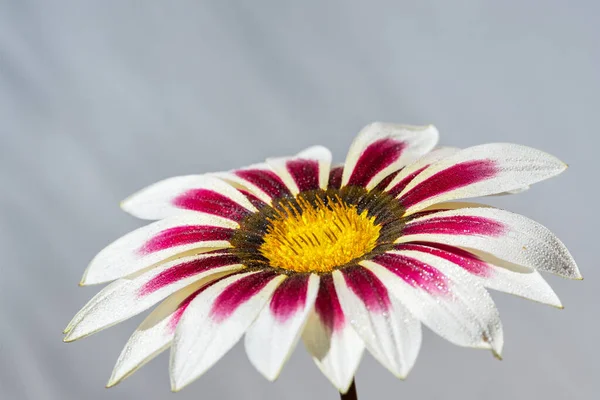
x,y
68,339
497,355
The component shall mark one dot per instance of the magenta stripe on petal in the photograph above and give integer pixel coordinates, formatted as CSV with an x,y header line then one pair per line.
x,y
289,297
305,173
267,181
327,305
256,202
455,225
454,177
368,288
176,316
387,180
185,270
211,202
377,156
468,261
335,177
414,272
399,187
238,293
182,235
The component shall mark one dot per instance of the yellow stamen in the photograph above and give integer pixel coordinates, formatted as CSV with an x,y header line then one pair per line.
x,y
319,237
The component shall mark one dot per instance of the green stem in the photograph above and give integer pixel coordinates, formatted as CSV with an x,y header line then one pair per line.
x,y
350,394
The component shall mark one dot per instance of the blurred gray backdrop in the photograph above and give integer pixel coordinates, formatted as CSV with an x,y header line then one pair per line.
x,y
98,99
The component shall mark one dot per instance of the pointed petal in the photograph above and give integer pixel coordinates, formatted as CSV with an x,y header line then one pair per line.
x,y
479,171
408,173
443,296
390,332
273,336
309,170
508,236
192,193
330,339
156,243
259,180
215,320
154,335
526,283
127,297
382,148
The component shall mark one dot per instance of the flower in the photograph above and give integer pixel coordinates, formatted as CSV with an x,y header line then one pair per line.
x,y
347,257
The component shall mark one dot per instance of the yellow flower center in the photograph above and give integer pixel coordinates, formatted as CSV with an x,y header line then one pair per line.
x,y
317,237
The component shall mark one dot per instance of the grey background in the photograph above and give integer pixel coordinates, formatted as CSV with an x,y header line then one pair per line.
x,y
98,99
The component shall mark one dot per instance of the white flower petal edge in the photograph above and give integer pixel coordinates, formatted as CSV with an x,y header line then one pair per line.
x,y
450,301
181,194
213,323
153,336
508,236
390,332
328,336
273,336
125,298
153,244
298,171
479,171
382,148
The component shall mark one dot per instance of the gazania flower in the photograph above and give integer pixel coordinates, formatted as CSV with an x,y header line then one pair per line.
x,y
346,257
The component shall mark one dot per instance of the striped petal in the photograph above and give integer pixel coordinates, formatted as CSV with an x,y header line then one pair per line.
x,y
273,336
390,332
258,180
381,149
330,339
526,283
309,170
479,171
443,296
505,235
155,334
408,173
158,242
127,297
197,193
215,320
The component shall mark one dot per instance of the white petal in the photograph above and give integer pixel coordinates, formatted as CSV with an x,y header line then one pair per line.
x,y
153,336
529,285
298,173
184,194
273,336
330,339
202,338
492,272
131,253
454,305
479,171
382,148
508,236
127,297
390,332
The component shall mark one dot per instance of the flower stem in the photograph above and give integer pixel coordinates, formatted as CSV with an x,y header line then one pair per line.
x,y
350,394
